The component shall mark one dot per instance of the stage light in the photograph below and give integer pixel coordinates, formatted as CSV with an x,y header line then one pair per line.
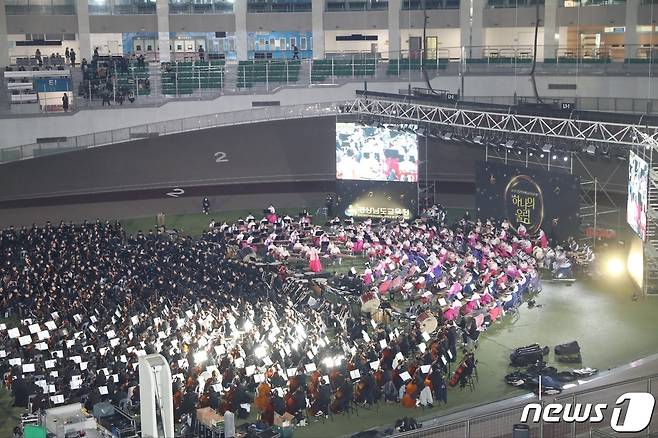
x,y
614,267
566,158
555,157
635,262
546,148
200,357
477,139
591,149
260,352
509,144
530,153
541,155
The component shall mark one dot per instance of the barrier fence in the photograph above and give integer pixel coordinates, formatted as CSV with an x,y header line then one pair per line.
x,y
500,423
191,78
155,129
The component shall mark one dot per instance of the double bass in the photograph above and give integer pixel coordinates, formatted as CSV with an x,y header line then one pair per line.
x,y
263,403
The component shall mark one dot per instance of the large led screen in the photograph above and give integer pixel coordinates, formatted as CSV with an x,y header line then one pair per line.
x,y
636,207
376,153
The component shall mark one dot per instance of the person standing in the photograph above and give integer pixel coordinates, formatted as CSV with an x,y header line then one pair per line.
x,y
65,102
202,54
295,51
72,56
67,55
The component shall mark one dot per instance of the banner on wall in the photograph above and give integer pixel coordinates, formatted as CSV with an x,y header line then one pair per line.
x,y
377,199
532,197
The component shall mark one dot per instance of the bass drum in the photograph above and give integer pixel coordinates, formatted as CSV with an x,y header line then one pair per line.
x,y
427,322
369,302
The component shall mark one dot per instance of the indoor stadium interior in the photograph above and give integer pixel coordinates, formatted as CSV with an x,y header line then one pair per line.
x,y
328,218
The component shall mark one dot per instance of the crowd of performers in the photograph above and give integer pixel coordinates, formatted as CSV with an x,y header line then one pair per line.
x,y
242,323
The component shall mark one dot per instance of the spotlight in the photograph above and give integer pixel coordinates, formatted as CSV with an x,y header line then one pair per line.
x,y
590,149
541,155
555,157
614,267
566,158
546,148
509,144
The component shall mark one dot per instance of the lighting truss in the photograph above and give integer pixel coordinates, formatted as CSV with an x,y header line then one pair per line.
x,y
505,123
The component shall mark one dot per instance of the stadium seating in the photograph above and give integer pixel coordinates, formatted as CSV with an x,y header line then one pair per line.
x,y
339,67
271,72
134,74
187,77
403,65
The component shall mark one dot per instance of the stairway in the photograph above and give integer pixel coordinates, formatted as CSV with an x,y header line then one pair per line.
x,y
231,76
651,249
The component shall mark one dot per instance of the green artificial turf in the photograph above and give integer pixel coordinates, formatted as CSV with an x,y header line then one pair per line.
x,y
611,329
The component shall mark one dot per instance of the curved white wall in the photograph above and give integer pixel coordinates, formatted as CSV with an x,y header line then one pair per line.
x,y
25,130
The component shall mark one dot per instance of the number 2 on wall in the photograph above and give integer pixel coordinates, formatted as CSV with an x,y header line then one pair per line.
x,y
220,157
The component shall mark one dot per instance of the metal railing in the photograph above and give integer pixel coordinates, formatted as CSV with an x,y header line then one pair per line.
x,y
167,127
500,423
337,68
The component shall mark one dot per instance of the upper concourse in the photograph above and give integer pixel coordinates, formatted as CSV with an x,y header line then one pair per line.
x,y
391,29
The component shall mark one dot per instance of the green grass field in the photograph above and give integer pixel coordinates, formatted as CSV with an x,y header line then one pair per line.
x,y
611,329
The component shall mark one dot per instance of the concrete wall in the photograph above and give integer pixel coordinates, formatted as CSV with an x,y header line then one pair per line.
x,y
290,164
270,152
123,23
294,21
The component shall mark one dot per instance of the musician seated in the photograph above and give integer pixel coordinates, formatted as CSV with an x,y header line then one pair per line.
x,y
321,403
469,367
425,397
241,397
390,393
297,402
344,397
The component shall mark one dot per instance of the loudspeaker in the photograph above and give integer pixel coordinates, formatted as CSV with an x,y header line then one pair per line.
x,y
520,431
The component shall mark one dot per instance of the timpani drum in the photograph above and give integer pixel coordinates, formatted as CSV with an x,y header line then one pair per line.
x,y
427,322
369,302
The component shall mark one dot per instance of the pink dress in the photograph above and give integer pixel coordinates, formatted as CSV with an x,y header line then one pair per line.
x,y
314,264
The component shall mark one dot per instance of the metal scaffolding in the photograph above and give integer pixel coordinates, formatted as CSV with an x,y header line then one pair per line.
x,y
505,123
651,244
582,133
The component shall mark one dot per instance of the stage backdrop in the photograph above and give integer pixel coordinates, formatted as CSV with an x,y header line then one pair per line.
x,y
533,197
376,171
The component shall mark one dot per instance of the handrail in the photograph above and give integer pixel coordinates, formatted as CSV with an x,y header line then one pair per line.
x,y
494,414
174,126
